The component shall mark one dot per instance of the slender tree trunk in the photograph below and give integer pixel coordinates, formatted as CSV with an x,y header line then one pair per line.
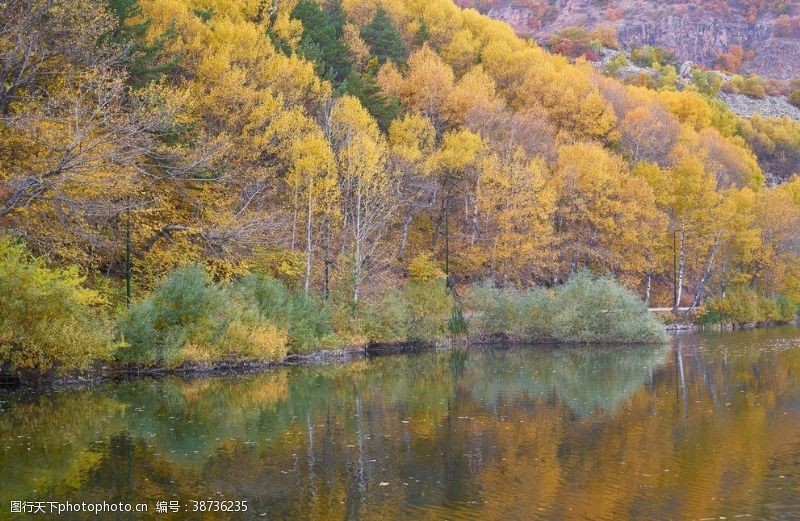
x,y
309,241
475,222
404,235
681,270
357,265
698,294
493,258
326,258
648,283
128,293
294,221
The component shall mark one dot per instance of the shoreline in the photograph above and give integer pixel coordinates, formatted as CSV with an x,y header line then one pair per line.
x,y
104,374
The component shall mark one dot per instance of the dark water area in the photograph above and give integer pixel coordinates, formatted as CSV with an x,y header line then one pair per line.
x,y
705,427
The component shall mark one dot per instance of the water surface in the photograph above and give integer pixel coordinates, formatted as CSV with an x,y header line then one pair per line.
x,y
706,427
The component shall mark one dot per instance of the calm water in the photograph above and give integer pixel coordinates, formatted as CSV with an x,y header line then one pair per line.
x,y
707,427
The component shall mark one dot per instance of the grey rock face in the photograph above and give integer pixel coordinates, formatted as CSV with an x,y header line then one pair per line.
x,y
689,31
769,107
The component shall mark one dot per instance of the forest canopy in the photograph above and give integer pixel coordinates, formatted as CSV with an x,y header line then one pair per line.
x,y
329,143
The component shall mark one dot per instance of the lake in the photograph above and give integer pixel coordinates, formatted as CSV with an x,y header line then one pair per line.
x,y
705,427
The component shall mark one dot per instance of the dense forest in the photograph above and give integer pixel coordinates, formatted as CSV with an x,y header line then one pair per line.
x,y
330,153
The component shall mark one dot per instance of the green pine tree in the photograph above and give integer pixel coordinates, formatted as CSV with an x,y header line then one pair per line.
x,y
146,62
321,41
365,87
383,37
423,35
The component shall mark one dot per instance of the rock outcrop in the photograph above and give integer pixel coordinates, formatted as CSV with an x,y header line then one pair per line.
x,y
691,31
768,107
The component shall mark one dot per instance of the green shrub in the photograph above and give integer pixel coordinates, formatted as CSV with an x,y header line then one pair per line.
x,y
598,309
535,316
752,86
189,318
385,321
745,306
304,317
506,311
649,56
48,320
794,92
422,310
585,309
491,308
786,310
457,325
428,308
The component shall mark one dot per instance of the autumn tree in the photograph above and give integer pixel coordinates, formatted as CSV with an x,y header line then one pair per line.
x,y
603,214
424,88
369,191
412,140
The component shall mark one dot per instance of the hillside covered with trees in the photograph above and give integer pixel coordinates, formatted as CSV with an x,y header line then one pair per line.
x,y
326,154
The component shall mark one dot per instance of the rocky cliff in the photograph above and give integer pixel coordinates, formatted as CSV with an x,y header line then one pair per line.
x,y
698,30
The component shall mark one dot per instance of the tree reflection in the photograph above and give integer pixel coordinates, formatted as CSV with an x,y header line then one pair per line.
x,y
570,433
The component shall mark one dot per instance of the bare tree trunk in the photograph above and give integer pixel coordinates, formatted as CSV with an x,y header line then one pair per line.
x,y
475,221
404,236
698,294
681,271
357,254
647,287
294,221
309,241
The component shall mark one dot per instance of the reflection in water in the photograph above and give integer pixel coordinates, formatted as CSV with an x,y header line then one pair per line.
x,y
706,427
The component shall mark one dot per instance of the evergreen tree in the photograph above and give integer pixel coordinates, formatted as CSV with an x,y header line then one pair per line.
x,y
365,87
321,42
423,35
146,61
383,38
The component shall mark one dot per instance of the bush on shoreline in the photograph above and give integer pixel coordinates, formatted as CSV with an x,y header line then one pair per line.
x,y
507,311
190,318
599,309
744,306
421,310
303,317
48,320
585,309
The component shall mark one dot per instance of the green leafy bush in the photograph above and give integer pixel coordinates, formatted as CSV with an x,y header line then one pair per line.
x,y
585,309
786,310
752,86
422,310
525,315
491,308
304,317
189,318
48,320
649,56
744,306
794,92
599,309
535,316
428,309
385,321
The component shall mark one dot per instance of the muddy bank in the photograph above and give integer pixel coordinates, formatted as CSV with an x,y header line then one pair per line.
x,y
104,373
